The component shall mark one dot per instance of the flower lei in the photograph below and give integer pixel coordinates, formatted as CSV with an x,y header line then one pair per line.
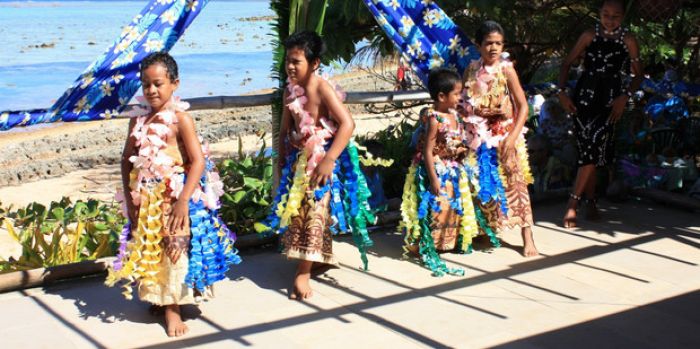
x,y
349,208
154,164
453,138
484,89
156,174
314,137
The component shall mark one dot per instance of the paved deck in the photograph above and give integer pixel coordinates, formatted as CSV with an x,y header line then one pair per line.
x,y
631,280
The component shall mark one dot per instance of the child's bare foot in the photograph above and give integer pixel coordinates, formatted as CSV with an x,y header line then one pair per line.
x,y
529,249
302,289
173,321
570,218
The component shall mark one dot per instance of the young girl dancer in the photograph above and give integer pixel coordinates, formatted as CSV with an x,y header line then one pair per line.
x,y
497,111
322,189
437,209
175,246
599,98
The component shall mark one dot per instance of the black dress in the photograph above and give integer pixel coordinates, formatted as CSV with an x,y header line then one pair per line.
x,y
605,67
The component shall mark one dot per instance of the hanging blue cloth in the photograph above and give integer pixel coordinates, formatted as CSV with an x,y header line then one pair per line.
x,y
424,35
107,85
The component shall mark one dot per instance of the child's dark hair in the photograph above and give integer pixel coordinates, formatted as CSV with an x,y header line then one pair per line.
x,y
309,41
442,80
487,28
620,3
163,58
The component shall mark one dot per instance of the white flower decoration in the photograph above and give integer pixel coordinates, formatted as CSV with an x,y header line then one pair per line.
x,y
153,45
168,17
82,106
106,88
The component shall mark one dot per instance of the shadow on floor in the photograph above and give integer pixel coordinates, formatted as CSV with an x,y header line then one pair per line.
x,y
655,325
651,223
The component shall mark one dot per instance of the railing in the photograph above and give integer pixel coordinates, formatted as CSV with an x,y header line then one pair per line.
x,y
222,102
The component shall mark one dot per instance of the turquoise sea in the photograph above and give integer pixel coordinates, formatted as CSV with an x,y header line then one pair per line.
x,y
47,44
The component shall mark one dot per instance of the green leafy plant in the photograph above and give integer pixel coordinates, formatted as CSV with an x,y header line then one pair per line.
x,y
248,188
395,141
65,232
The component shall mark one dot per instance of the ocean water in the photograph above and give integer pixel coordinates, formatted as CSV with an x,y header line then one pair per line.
x,y
223,52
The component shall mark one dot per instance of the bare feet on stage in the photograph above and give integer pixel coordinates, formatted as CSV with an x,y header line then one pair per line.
x,y
302,289
570,218
529,249
173,321
570,215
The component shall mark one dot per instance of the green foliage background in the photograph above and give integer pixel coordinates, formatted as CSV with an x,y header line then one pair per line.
x,y
536,31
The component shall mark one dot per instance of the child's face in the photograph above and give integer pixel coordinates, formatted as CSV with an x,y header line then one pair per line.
x,y
611,15
491,47
297,66
157,86
451,99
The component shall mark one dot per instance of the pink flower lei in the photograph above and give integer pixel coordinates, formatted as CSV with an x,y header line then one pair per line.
x,y
154,164
314,137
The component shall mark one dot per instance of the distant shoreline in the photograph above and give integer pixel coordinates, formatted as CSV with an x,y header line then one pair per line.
x,y
51,150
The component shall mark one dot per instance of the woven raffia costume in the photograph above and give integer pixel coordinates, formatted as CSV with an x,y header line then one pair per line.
x,y
158,176
502,199
443,222
308,215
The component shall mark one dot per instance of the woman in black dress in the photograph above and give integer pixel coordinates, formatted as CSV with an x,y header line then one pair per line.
x,y
600,96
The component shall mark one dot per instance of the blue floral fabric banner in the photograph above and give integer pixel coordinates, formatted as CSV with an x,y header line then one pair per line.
x,y
424,35
107,85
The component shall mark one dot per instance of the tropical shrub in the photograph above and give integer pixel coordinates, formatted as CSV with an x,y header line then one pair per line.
x,y
63,233
392,143
248,188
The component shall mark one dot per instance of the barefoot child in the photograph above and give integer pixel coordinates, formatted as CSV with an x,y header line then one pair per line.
x,y
437,209
321,186
175,246
599,98
497,111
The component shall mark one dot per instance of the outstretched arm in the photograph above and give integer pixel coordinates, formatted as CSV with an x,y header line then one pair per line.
x,y
285,125
636,63
428,158
126,167
619,103
346,125
521,107
521,110
583,41
186,132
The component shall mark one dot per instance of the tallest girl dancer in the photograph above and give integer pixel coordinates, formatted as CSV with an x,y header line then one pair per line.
x,y
599,98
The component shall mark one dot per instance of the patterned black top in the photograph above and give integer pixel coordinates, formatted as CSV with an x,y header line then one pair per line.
x,y
605,67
